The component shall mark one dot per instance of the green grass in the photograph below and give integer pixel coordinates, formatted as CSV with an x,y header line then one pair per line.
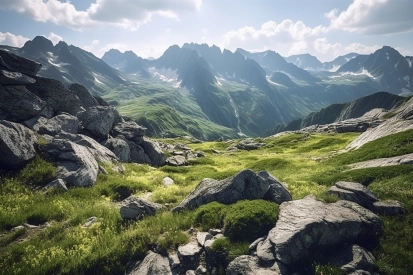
x,y
306,164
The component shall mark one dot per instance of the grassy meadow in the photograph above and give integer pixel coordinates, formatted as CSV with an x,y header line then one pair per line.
x,y
306,164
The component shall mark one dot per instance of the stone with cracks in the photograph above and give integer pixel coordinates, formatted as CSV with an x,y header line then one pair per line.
x,y
189,254
18,104
137,154
15,63
16,145
277,192
355,192
84,95
119,147
154,152
75,164
98,120
244,185
129,130
152,264
250,265
134,208
308,224
176,161
55,125
14,78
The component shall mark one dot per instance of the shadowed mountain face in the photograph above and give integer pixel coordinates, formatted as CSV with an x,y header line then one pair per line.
x,y
311,63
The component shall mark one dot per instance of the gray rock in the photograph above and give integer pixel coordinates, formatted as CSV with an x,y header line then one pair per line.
x,y
75,164
16,228
189,254
389,208
56,95
154,152
265,251
176,161
202,237
276,192
355,192
14,78
249,144
167,181
90,222
84,95
153,264
129,130
214,231
15,63
353,257
307,223
98,120
137,154
55,125
174,261
58,184
382,162
18,104
244,185
99,152
249,265
119,147
16,144
134,208
201,270
190,272
253,245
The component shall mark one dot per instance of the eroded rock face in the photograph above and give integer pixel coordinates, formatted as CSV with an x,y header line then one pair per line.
x,y
152,264
244,185
134,208
189,254
15,63
83,94
98,120
249,265
16,144
75,164
119,147
310,224
129,130
14,78
154,152
63,122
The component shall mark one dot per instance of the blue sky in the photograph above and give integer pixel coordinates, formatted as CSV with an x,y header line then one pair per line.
x,y
324,28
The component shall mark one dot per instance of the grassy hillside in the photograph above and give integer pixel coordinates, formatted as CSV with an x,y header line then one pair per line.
x,y
307,164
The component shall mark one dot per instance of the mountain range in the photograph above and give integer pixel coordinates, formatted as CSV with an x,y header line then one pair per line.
x,y
209,93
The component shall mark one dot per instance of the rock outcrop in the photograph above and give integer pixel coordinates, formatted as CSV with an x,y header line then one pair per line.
x,y
244,185
152,264
134,208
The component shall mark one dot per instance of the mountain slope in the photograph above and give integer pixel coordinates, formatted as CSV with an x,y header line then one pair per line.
x,y
127,62
310,62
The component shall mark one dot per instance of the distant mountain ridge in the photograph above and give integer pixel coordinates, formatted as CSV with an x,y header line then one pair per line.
x,y
310,62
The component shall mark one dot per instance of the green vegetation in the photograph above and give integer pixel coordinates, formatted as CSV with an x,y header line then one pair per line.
x,y
306,164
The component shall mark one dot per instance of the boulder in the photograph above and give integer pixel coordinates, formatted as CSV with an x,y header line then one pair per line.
x,y
152,264
84,95
98,120
352,258
176,161
99,152
189,254
137,154
134,208
119,147
381,162
55,125
75,164
249,144
56,95
249,265
154,152
307,224
276,192
15,63
58,184
355,192
244,185
18,104
14,78
129,130
167,181
389,208
16,145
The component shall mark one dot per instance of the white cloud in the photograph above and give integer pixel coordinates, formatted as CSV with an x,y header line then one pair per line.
x,y
297,47
374,17
54,38
91,46
12,40
361,49
129,14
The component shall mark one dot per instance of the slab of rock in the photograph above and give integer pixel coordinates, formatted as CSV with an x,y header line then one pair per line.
x,y
129,130
15,63
18,104
381,162
389,208
137,154
249,144
250,265
189,254
355,192
134,208
277,192
154,152
98,120
55,125
14,78
176,161
119,147
75,164
16,144
308,224
84,95
152,264
244,185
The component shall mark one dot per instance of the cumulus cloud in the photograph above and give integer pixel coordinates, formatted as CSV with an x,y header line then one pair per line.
x,y
374,17
361,49
54,38
91,46
12,40
126,13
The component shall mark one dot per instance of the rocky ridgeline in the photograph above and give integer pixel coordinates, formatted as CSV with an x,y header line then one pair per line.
x,y
64,123
308,231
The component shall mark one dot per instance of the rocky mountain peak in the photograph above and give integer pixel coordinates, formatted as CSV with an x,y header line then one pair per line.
x,y
38,44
